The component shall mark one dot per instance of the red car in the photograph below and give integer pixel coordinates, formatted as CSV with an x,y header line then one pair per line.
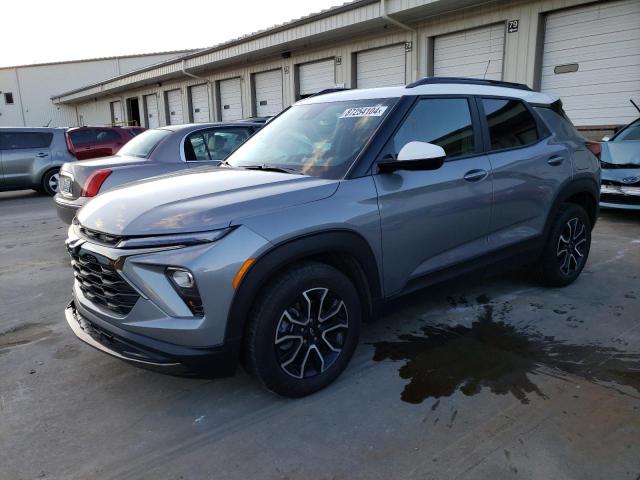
x,y
93,142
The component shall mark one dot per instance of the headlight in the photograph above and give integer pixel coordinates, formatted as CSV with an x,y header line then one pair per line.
x,y
178,240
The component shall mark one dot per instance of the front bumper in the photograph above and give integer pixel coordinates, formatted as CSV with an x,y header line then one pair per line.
x,y
620,196
152,354
67,209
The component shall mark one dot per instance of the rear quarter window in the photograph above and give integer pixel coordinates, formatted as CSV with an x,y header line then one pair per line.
x,y
559,123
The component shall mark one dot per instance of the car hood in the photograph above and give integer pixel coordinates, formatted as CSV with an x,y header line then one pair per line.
x,y
621,153
198,200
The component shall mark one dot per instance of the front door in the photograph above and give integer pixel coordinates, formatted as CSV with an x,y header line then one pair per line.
x,y
20,152
434,219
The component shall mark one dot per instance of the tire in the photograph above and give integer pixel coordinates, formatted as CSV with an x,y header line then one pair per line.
x,y
283,347
567,249
50,182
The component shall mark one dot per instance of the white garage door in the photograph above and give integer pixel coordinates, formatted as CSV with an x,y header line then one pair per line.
x,y
151,111
591,61
382,67
116,112
476,53
230,100
268,87
199,103
174,107
315,77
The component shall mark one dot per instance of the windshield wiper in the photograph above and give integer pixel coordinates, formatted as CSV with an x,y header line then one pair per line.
x,y
271,168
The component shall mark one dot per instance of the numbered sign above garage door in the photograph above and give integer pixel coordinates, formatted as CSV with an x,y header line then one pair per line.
x,y
151,111
476,53
174,107
199,101
315,77
591,60
116,112
230,99
381,67
268,93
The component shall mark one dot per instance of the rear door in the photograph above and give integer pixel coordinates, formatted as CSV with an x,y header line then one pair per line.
x,y
21,151
211,146
434,219
529,166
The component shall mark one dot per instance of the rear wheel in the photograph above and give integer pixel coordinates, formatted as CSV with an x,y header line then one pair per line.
x,y
51,182
567,248
303,330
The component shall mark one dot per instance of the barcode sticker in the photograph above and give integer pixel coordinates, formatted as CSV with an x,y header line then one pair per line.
x,y
377,111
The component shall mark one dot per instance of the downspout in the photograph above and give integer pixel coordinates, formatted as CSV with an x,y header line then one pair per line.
x,y
414,37
209,82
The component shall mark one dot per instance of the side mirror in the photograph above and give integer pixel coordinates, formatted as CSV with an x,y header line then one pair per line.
x,y
415,156
606,139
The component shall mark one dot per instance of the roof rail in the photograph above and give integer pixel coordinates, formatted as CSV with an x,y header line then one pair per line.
x,y
329,90
468,81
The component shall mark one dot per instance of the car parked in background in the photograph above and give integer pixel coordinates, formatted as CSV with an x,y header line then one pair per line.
x,y
620,162
153,152
31,158
339,203
94,142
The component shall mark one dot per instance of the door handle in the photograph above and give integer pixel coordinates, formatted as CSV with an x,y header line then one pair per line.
x,y
42,155
555,160
475,175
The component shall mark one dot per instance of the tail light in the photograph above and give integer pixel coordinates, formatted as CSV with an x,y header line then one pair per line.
x,y
595,148
92,184
70,146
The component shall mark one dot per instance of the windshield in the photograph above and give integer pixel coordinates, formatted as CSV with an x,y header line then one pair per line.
x,y
630,132
321,139
142,145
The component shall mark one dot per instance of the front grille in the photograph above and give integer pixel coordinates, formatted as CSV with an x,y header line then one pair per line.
x,y
99,237
102,284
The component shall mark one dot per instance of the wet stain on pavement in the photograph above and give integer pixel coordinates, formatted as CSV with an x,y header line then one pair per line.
x,y
24,334
503,358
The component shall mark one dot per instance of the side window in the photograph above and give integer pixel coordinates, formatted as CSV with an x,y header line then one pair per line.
x,y
195,148
107,136
559,123
24,140
222,142
510,124
442,121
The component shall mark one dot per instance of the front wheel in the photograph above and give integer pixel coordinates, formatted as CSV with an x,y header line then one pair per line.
x,y
567,249
303,330
50,182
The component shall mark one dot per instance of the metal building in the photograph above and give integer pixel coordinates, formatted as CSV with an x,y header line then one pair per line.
x,y
25,91
587,52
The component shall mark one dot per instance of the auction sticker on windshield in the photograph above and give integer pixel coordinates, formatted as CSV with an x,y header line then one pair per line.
x,y
376,111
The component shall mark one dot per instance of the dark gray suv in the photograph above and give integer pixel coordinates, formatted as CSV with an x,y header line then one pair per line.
x,y
341,202
31,158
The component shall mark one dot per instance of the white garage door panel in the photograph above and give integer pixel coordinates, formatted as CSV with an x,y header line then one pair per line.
x,y
174,103
116,112
476,53
317,76
151,110
604,40
230,99
382,67
200,103
268,92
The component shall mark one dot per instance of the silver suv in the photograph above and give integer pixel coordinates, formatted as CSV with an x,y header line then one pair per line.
x,y
31,158
341,202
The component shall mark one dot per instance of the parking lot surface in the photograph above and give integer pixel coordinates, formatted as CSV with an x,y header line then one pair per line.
x,y
482,378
